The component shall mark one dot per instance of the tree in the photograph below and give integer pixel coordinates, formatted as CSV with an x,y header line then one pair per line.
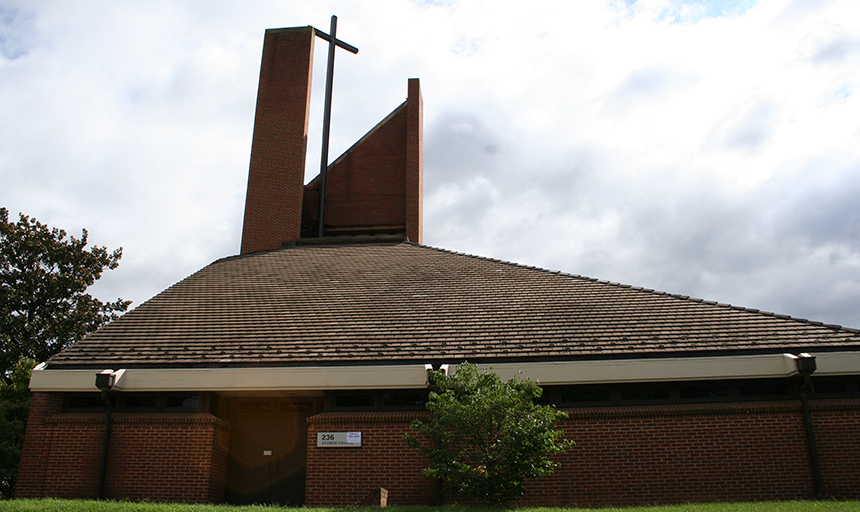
x,y
14,408
43,280
489,436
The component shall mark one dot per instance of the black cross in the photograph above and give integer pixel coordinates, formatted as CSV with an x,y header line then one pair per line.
x,y
333,41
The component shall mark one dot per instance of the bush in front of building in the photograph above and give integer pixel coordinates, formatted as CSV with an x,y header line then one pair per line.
x,y
14,408
488,436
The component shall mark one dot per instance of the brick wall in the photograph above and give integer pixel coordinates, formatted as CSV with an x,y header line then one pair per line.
x,y
343,477
623,456
277,171
37,446
837,431
696,453
376,186
415,163
367,184
153,457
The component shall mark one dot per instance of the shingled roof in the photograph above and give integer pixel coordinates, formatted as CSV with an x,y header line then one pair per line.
x,y
396,303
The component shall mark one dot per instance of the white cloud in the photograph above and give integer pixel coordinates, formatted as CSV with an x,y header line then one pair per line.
x,y
699,147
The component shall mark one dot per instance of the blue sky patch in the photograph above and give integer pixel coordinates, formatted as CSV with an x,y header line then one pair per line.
x,y
692,11
14,33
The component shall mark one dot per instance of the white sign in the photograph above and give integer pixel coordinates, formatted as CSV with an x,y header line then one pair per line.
x,y
339,439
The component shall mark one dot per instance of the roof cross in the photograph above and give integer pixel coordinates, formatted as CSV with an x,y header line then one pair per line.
x,y
333,41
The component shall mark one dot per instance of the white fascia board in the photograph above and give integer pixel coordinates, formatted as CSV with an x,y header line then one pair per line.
x,y
672,369
415,376
837,363
239,379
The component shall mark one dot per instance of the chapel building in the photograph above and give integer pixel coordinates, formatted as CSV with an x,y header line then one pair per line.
x,y
289,373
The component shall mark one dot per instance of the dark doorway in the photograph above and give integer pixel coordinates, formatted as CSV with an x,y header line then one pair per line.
x,y
268,449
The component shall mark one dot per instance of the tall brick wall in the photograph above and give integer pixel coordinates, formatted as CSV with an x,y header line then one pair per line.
x,y
153,457
376,186
415,163
276,176
367,184
343,477
623,456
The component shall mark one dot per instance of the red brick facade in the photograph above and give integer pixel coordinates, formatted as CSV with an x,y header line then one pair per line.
x,y
623,456
274,199
376,186
153,457
415,163
343,477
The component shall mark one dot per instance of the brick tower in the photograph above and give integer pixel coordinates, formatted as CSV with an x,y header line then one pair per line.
x,y
374,188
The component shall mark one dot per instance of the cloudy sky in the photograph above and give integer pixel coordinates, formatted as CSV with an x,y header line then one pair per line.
x,y
704,147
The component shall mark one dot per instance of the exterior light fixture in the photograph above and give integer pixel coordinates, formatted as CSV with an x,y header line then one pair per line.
x,y
105,380
805,364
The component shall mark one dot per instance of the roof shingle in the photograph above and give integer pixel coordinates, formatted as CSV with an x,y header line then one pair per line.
x,y
402,302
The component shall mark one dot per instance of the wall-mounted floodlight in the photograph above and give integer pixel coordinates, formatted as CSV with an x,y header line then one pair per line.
x,y
105,380
805,364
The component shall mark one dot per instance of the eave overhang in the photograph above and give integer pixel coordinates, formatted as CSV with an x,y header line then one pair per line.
x,y
238,379
414,376
760,366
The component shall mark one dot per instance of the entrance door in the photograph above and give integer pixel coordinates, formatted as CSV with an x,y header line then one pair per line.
x,y
268,449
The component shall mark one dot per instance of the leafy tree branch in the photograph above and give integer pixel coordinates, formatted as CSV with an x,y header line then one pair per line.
x,y
44,276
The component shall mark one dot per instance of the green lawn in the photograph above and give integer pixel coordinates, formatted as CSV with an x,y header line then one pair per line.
x,y
50,505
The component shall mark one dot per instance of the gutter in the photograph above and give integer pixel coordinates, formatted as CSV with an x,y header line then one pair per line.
x,y
414,376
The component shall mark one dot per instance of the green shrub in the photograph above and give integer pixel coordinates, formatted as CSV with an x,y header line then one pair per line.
x,y
489,436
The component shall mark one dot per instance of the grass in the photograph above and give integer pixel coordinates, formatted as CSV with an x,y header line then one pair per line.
x,y
52,505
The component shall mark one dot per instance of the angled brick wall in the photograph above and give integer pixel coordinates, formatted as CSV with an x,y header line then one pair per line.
x,y
376,186
277,170
152,457
623,456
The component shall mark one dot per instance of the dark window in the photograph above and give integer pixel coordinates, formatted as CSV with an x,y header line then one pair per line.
x,y
831,387
88,402
547,397
631,394
136,402
763,389
404,399
351,401
645,393
704,392
586,395
184,402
